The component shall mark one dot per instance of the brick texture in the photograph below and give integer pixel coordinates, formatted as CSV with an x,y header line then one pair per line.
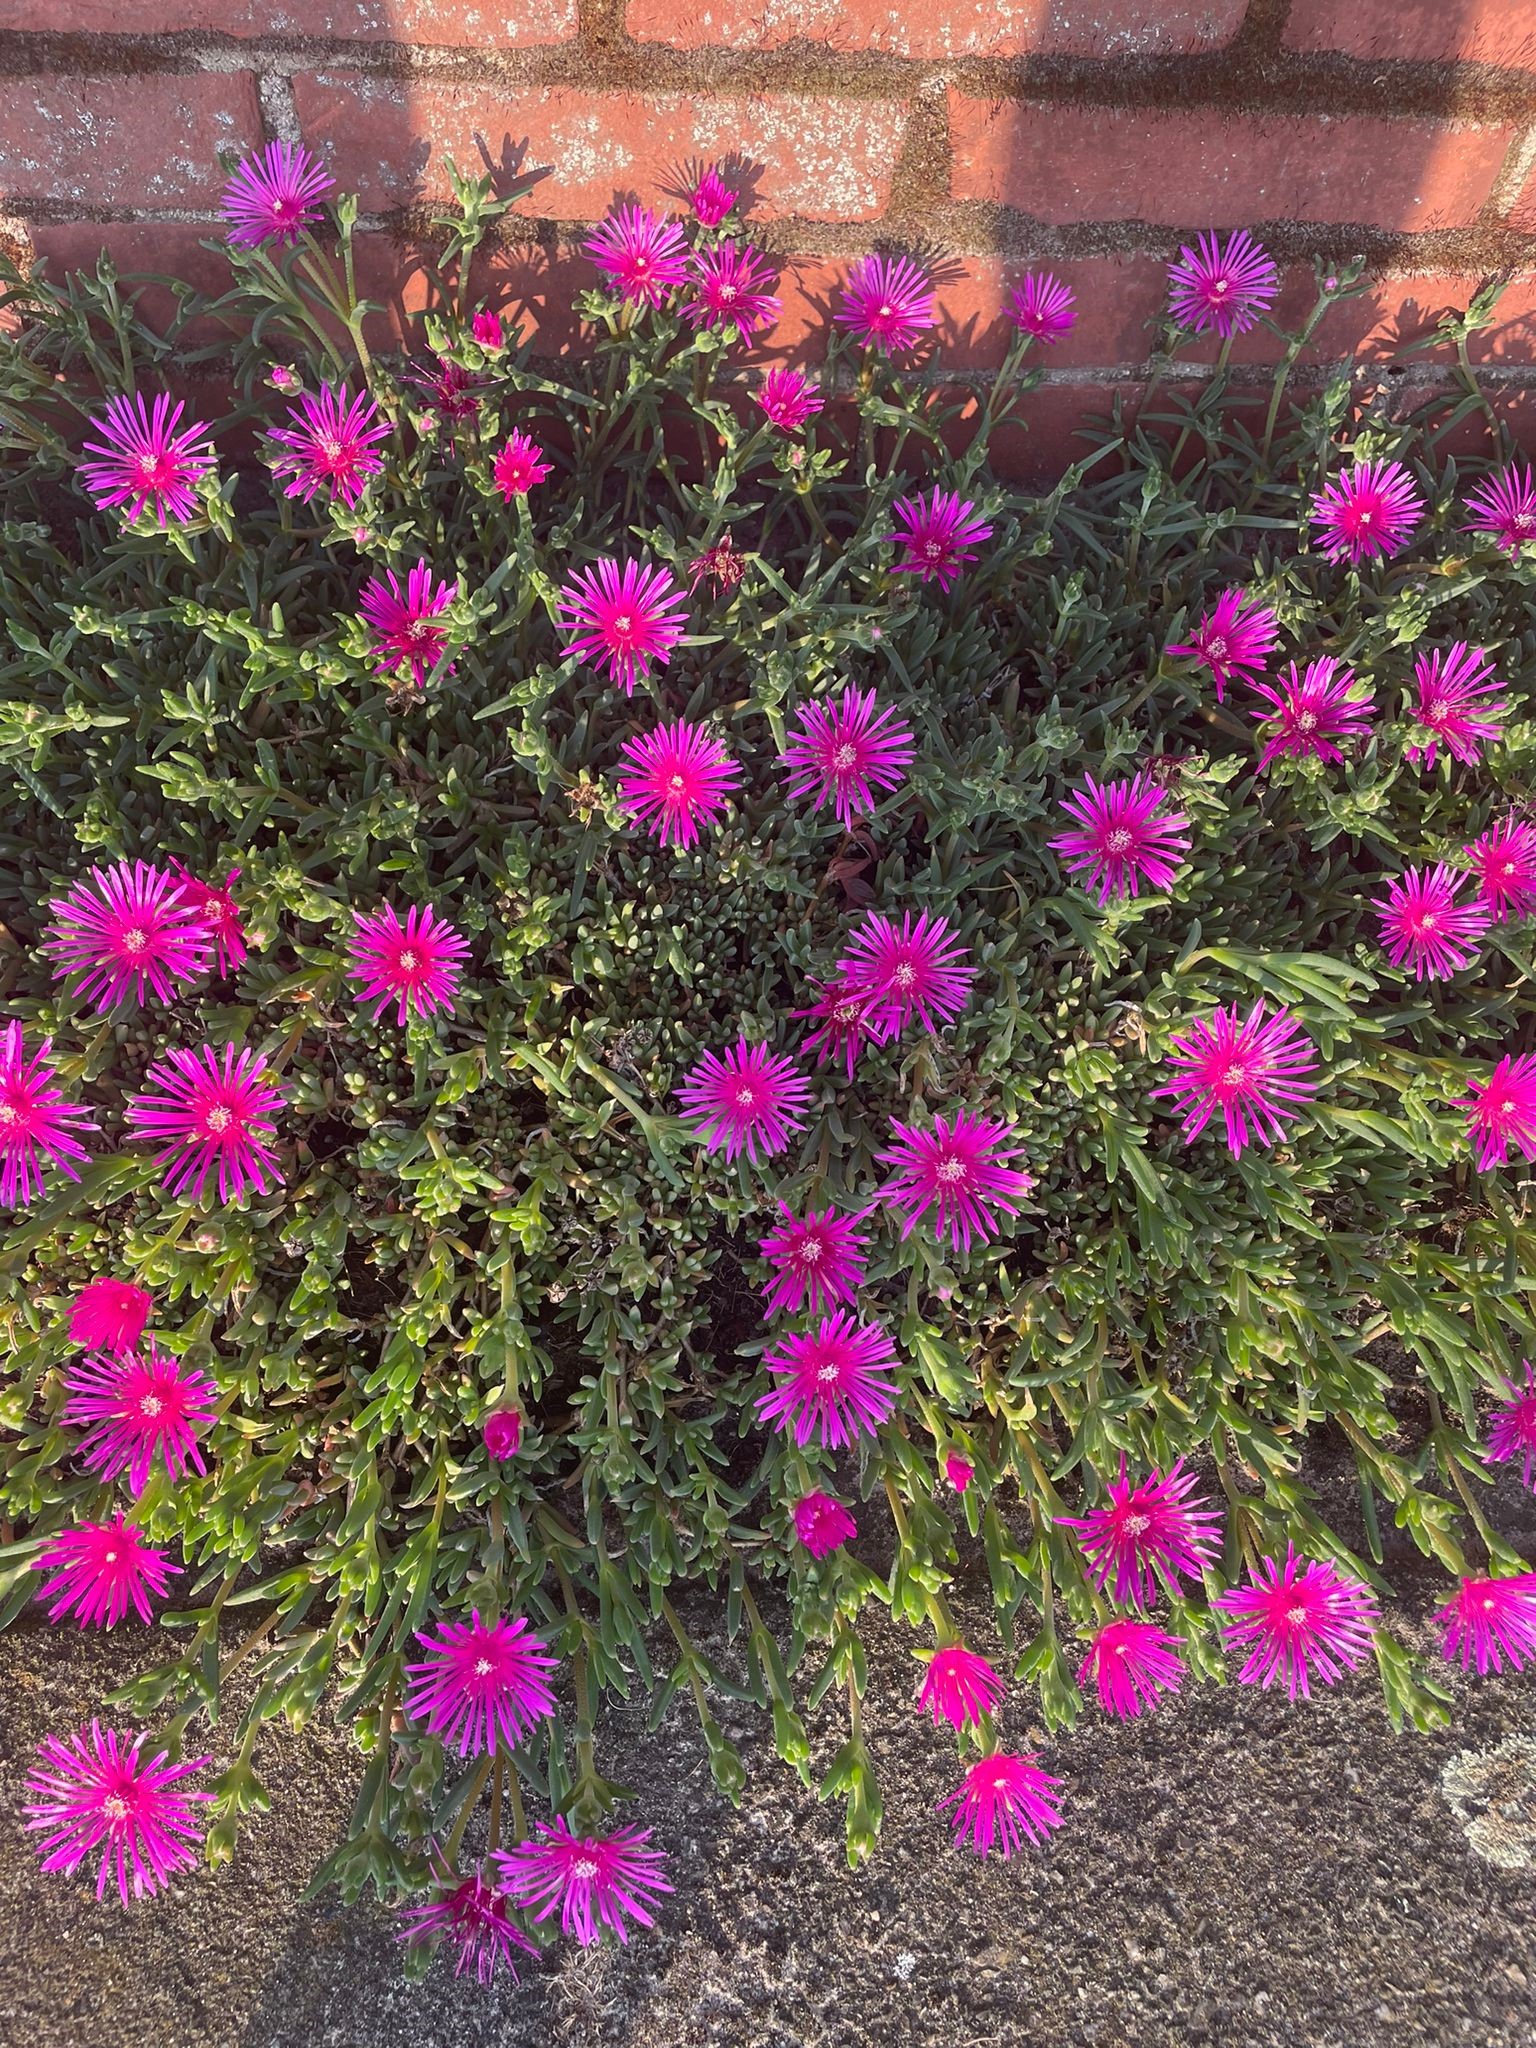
x,y
465,24
123,142
936,29
1420,31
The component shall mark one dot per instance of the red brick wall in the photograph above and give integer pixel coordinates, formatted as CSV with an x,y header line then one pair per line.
x,y
1091,136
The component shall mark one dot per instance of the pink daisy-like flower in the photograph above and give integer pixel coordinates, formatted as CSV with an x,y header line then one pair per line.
x,y
1043,307
214,1113
960,1171
123,930
330,446
1234,638
142,460
1504,863
485,328
833,1382
1311,712
98,1790
959,1687
1503,1111
1503,507
219,914
621,617
711,198
958,1471
939,536
911,969
1369,509
887,302
519,466
1121,840
746,1100
1218,288
274,196
100,1569
730,289
415,965
823,1525
502,1431
453,391
817,1261
1423,927
789,398
595,1881
1253,1069
1451,705
675,780
136,1410
720,564
642,257
1148,1530
404,622
1133,1663
473,1915
1512,1426
1298,1620
1489,1620
1005,1800
109,1315
850,1017
37,1125
483,1682
843,751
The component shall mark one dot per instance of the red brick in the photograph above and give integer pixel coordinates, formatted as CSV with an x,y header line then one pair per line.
x,y
1522,214
464,24
1419,31
821,159
942,28
123,142
1065,164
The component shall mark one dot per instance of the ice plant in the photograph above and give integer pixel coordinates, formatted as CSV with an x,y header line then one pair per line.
x,y
642,257
730,289
331,445
939,535
145,459
274,196
1452,705
214,1113
502,1432
675,780
100,1570
1512,1426
1502,1111
1424,927
1042,307
1159,1529
817,1261
960,1171
788,397
887,302
959,1687
406,621
911,969
519,465
1133,1663
592,1881
719,564
37,1126
453,392
482,1682
1312,711
843,751
127,932
832,1382
823,1525
1233,639
109,1315
1124,836
746,1100
1297,1621
958,1471
1003,1800
1369,509
621,617
99,1790
138,1409
474,1917
847,1017
1255,1070
215,908
1503,508
1504,863
413,965
1489,1620
485,327
1222,287
711,198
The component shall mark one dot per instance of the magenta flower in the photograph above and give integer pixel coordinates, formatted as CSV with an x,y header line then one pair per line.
x,y
1425,928
960,1171
1512,1427
1234,638
483,1682
1253,1069
36,1124
1222,289
939,535
1503,1111
1133,1663
330,446
519,466
843,751
911,969
404,622
823,1525
1121,840
711,198
788,397
1298,1620
502,1431
485,328
473,1914
1310,712
1003,1799
274,196
730,289
887,302
1488,1620
817,1261
97,1790
747,1100
621,618
959,1687
1451,706
676,779
1503,508
219,914
453,393
142,460
138,1409
958,1471
1043,307
1149,1531
109,1315
1504,862
123,930
212,1113
1369,509
833,1382
643,258
720,564
596,1881
415,965
99,1569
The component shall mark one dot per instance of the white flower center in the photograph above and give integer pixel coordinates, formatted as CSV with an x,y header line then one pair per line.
x,y
905,975
1134,1525
679,784
827,1374
585,1869
483,1667
150,1407
1118,841
1217,649
949,1171
843,758
885,312
746,1096
115,1806
1306,721
218,1120
809,1252
1298,1617
135,939
407,961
